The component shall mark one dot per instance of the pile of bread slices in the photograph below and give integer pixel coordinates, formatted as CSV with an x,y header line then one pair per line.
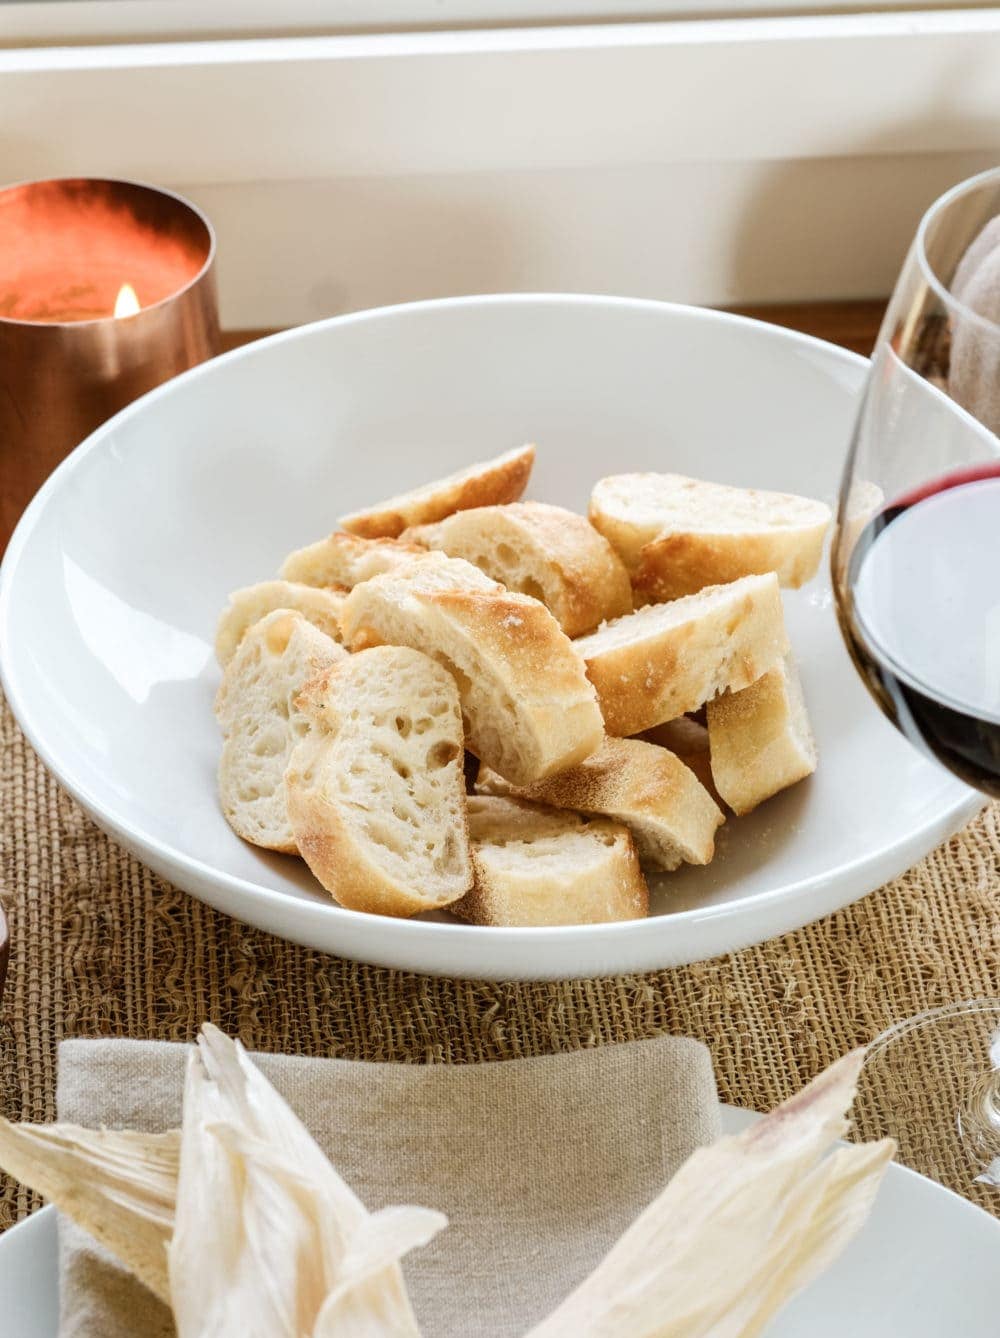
x,y
463,700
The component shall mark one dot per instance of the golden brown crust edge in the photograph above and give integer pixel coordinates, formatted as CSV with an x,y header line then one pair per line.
x,y
582,579
556,700
632,782
675,565
667,673
501,480
328,846
480,903
552,686
595,586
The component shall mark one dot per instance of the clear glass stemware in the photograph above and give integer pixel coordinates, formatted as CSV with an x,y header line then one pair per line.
x,y
916,572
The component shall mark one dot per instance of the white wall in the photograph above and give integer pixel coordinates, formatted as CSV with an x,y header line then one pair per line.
x,y
715,233
720,162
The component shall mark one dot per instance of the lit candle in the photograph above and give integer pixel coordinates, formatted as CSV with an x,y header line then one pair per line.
x,y
107,288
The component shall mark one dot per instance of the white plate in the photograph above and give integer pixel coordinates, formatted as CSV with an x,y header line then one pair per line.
x,y
114,580
925,1265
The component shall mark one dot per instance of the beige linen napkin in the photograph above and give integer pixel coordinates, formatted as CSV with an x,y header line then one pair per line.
x,y
540,1164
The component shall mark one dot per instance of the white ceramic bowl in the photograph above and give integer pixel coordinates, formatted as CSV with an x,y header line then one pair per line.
x,y
113,582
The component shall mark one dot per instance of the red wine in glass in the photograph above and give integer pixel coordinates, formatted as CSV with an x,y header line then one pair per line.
x,y
923,619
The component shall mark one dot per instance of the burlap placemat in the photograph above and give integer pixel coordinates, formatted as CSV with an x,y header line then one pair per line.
x,y
101,947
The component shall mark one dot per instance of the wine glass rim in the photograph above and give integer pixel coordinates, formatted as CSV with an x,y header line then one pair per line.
x,y
958,1008
943,202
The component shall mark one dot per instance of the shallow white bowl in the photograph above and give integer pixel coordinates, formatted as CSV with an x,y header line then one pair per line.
x,y
111,587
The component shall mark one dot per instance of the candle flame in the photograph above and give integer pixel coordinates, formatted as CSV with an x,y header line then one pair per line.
x,y
126,303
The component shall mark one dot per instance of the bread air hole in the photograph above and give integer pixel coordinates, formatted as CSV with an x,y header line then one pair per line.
x,y
403,726
441,754
389,837
279,634
506,554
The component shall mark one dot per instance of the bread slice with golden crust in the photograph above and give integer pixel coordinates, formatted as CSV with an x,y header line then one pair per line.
x,y
261,724
688,740
376,794
492,482
666,659
671,816
677,535
540,550
528,706
536,866
760,738
343,559
247,606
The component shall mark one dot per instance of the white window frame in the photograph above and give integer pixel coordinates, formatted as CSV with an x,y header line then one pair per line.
x,y
67,22
609,157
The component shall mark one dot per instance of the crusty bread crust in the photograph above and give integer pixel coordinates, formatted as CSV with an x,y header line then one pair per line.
x,y
681,564
677,535
535,866
261,724
671,816
540,550
528,706
490,483
247,606
687,739
375,792
760,738
345,560
667,659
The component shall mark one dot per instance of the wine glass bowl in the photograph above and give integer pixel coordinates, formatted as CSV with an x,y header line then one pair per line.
x,y
916,578
917,544
933,1083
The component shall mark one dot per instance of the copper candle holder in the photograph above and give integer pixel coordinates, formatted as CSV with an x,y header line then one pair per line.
x,y
107,289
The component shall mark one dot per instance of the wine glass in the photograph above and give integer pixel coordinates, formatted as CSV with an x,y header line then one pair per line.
x,y
916,574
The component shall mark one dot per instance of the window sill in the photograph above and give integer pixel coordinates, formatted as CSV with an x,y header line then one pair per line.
x,y
627,156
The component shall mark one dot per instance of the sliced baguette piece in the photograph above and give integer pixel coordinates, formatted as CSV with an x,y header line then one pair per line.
x,y
261,724
529,708
489,483
376,794
535,866
540,550
677,535
760,738
249,605
666,659
688,740
671,816
346,560
685,737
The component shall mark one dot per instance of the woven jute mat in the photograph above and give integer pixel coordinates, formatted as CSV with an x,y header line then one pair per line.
x,y
102,947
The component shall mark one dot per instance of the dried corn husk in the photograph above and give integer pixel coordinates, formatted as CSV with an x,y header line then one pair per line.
x,y
118,1186
239,1222
242,1224
742,1226
288,1249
